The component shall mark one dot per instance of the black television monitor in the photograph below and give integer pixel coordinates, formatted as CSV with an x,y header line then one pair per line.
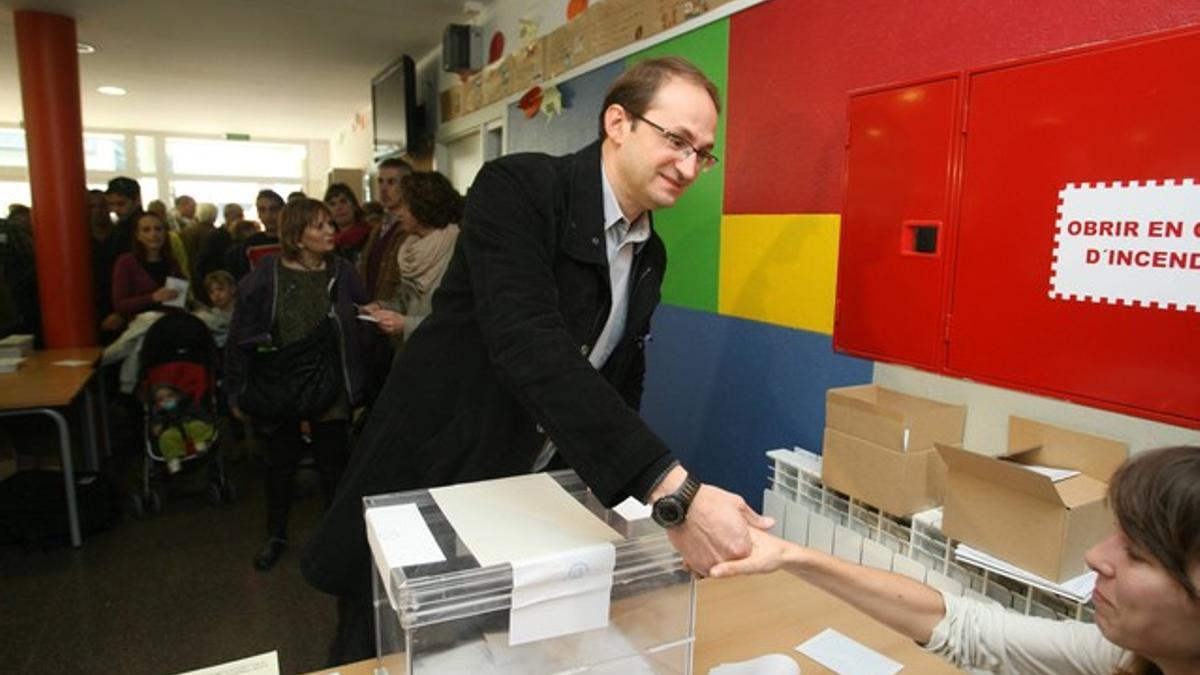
x,y
394,108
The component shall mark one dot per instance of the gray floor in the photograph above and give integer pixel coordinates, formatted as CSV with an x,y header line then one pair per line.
x,y
167,594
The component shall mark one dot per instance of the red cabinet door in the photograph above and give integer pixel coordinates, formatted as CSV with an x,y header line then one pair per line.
x,y
895,226
1105,119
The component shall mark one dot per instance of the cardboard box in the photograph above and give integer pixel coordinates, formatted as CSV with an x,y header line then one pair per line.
x,y
1023,517
901,483
894,420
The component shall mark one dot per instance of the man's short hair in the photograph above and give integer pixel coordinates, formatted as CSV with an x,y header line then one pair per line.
x,y
126,187
396,163
269,194
183,198
634,90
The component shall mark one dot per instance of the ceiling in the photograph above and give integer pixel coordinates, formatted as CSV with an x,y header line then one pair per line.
x,y
294,69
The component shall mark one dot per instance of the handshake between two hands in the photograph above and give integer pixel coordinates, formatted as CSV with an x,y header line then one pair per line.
x,y
720,529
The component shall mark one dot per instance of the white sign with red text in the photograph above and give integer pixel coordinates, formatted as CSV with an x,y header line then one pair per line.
x,y
1135,243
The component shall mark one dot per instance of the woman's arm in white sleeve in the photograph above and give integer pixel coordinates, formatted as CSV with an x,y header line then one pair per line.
x,y
906,606
985,636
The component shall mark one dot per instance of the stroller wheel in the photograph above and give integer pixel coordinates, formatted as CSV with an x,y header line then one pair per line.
x,y
154,501
214,494
228,492
136,508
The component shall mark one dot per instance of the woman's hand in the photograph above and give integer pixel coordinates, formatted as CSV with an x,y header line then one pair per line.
x,y
370,308
390,323
112,323
164,294
769,554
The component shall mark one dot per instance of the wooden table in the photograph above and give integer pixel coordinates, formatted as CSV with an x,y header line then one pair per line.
x,y
40,387
743,618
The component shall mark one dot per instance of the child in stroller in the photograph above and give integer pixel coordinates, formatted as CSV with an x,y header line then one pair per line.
x,y
182,428
178,389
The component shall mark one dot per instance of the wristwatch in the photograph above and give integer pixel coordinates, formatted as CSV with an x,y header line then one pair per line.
x,y
671,510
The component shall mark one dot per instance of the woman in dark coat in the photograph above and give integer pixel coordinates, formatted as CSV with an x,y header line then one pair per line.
x,y
281,302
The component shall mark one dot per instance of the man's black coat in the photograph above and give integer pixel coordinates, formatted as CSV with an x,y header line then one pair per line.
x,y
501,362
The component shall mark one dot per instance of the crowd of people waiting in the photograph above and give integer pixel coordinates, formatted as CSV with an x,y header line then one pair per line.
x,y
318,294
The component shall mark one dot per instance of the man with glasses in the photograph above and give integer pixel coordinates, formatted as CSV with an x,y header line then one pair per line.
x,y
533,356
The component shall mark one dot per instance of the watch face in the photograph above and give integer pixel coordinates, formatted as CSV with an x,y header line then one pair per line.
x,y
668,511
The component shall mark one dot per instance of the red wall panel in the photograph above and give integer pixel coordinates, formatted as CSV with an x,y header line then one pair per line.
x,y
900,172
792,63
1114,114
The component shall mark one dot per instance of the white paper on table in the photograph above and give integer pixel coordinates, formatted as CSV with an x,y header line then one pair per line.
x,y
262,664
631,510
399,537
519,517
769,664
1053,473
72,363
561,593
845,656
180,286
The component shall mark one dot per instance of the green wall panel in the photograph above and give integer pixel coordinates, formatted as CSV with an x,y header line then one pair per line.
x,y
692,228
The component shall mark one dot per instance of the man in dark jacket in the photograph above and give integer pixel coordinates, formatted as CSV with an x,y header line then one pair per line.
x,y
533,356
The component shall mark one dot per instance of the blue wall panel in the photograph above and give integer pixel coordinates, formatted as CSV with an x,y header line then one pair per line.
x,y
721,390
578,124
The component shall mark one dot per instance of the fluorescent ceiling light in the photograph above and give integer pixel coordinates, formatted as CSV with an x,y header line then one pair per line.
x,y
85,48
111,91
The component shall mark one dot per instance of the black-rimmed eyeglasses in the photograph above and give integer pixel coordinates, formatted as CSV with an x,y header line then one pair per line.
x,y
679,144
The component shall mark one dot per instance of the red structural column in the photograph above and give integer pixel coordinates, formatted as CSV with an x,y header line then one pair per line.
x,y
49,67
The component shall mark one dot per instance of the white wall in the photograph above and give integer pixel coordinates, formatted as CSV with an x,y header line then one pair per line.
x,y
351,147
317,169
988,409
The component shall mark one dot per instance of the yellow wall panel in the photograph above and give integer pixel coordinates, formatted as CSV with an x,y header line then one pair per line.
x,y
780,269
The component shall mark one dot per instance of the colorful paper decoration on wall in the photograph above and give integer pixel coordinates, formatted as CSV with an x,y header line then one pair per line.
x,y
531,102
496,48
575,8
552,102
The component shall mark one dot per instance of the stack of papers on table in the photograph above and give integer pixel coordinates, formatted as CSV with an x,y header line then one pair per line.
x,y
9,364
1078,588
15,346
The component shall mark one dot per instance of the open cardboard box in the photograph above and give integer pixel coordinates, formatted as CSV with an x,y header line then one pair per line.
x,y
901,483
1025,518
901,422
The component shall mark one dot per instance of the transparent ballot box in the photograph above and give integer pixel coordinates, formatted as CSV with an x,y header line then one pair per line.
x,y
628,610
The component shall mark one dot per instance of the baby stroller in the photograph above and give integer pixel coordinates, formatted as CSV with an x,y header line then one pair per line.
x,y
178,391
